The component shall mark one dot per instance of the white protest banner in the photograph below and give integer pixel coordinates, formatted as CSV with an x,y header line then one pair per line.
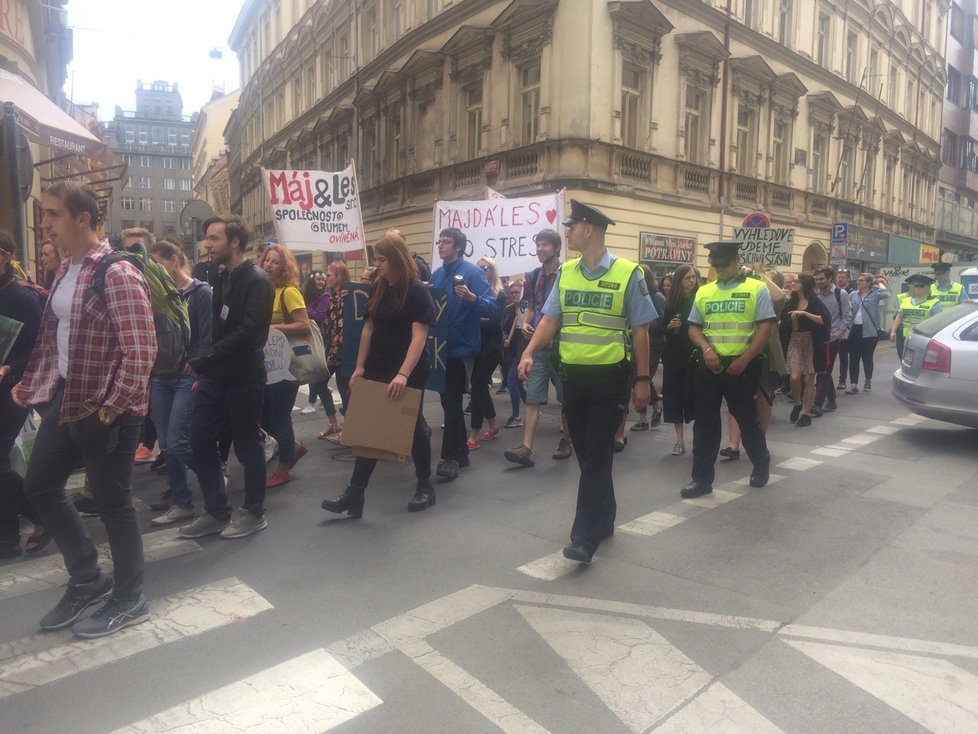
x,y
278,357
770,245
316,210
501,228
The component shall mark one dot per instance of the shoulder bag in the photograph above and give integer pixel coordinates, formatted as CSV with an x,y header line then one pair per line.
x,y
880,334
308,362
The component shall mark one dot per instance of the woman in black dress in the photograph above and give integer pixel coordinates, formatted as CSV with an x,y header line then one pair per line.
x,y
677,376
392,350
805,326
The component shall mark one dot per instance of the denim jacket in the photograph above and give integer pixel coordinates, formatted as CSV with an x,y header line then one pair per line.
x,y
870,308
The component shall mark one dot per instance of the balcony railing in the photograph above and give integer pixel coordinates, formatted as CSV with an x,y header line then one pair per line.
x,y
957,219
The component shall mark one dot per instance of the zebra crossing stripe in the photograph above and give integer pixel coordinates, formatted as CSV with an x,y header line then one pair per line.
x,y
308,694
27,664
48,572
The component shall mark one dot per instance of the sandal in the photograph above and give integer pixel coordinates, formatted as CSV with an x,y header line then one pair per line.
x,y
331,430
36,542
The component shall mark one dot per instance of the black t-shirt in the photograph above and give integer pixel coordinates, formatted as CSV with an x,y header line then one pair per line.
x,y
392,336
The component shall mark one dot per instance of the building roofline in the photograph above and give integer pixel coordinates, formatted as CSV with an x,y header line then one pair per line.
x,y
248,10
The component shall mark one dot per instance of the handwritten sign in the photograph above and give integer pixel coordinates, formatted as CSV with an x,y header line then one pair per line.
x,y
355,313
501,228
771,245
654,248
278,357
315,210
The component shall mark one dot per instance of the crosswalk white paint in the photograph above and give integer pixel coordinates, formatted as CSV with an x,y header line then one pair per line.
x,y
772,479
309,694
861,439
883,430
48,572
651,524
799,463
832,453
717,709
937,694
549,568
41,659
636,672
714,499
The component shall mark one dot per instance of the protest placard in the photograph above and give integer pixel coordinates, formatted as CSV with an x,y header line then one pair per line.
x,y
771,245
9,329
355,312
278,357
501,228
315,210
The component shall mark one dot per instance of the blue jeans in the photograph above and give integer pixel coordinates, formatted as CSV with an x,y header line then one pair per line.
x,y
171,401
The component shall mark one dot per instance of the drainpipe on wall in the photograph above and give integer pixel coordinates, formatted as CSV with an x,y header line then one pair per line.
x,y
724,91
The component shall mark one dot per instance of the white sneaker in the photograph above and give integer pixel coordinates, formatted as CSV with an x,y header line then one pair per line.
x,y
172,515
204,525
308,410
244,524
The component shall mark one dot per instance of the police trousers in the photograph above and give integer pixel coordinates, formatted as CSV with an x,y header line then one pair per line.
x,y
740,392
595,398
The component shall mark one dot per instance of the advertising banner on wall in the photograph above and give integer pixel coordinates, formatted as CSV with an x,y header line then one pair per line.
x,y
500,228
315,210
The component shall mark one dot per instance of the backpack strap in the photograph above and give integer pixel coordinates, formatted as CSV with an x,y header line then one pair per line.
x,y
102,267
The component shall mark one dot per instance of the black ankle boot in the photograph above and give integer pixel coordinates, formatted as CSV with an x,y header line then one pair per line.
x,y
350,502
424,497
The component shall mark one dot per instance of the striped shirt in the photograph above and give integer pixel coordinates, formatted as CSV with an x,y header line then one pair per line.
x,y
111,345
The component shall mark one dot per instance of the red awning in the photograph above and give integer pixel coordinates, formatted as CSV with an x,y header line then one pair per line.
x,y
47,124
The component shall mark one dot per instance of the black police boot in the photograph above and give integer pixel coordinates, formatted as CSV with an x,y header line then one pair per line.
x,y
350,502
695,489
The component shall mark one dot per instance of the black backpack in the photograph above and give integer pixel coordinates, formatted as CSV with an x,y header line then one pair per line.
x,y
424,272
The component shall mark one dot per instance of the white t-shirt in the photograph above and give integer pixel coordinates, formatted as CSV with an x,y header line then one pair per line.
x,y
61,301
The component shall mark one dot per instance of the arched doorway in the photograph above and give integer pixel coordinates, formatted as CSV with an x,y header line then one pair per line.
x,y
815,255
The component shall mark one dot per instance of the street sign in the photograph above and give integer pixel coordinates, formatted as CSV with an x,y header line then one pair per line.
x,y
757,219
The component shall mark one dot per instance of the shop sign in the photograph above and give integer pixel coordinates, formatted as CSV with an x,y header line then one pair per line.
x,y
859,243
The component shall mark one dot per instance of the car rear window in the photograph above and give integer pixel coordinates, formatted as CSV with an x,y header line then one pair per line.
x,y
945,318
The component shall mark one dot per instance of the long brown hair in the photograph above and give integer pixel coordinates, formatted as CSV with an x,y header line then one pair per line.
x,y
675,299
338,268
400,271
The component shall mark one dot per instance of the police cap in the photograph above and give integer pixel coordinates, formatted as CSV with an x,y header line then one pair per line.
x,y
722,253
942,267
920,280
586,213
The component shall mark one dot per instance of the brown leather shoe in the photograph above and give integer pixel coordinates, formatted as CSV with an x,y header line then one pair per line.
x,y
564,449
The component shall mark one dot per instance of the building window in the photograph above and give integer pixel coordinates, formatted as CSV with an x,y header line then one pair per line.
x,y
953,90
695,143
185,137
327,70
949,149
873,72
344,57
749,13
128,203
296,97
157,134
745,139
169,184
171,136
128,223
891,84
852,56
529,103
819,149
845,173
169,206
143,134
311,95
145,182
144,161
166,162
784,22
779,151
185,164
394,123
394,28
473,121
908,98
888,172
822,48
130,134
186,184
957,23
631,89
370,34
145,205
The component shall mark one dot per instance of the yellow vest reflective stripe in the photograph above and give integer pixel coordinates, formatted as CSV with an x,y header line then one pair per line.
x,y
728,315
950,297
914,314
593,324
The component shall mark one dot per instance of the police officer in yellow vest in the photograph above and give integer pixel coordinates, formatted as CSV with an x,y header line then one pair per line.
x,y
730,323
945,290
597,301
914,306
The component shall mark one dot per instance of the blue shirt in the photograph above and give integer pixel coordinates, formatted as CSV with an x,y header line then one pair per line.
x,y
764,310
464,325
639,309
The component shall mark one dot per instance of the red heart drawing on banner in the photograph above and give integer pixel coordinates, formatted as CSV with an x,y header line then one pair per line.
x,y
551,215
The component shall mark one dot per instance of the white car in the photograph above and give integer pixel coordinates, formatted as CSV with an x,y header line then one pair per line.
x,y
938,377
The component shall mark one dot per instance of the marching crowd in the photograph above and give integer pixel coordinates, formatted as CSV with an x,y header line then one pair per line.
x,y
122,347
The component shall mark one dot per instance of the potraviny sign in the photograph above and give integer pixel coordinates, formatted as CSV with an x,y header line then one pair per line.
x,y
315,210
502,229
770,245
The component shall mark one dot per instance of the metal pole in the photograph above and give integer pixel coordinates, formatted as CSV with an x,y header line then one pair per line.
x,y
10,135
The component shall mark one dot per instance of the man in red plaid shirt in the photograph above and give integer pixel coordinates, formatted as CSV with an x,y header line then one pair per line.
x,y
89,377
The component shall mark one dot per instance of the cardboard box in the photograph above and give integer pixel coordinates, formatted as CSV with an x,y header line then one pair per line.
x,y
377,427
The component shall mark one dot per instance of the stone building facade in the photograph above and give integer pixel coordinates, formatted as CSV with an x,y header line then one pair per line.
x,y
675,118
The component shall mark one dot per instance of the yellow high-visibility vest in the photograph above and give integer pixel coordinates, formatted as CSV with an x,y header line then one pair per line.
x,y
728,315
593,325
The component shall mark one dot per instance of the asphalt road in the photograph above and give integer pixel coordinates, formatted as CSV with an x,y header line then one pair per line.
x,y
841,597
